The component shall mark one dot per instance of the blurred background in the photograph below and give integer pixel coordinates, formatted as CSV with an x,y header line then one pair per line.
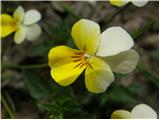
x,y
30,92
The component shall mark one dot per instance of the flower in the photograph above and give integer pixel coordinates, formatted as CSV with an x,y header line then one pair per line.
x,y
119,3
138,112
99,55
23,24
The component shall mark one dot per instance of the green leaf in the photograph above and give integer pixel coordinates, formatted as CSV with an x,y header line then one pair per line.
x,y
155,54
41,50
57,36
118,94
35,84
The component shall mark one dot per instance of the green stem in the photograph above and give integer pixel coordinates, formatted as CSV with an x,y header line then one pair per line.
x,y
69,10
149,74
7,108
25,66
141,30
116,13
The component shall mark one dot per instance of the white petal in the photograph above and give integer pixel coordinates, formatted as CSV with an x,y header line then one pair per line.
x,y
98,75
33,32
139,3
143,111
31,16
20,35
124,62
113,41
19,14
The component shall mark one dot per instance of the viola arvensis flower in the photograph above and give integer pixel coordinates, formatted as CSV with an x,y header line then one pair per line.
x,y
99,55
140,111
119,3
23,24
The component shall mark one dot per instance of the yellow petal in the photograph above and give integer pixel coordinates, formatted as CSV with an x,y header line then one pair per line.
x,y
19,14
121,114
8,25
86,35
124,62
20,35
118,3
98,75
66,64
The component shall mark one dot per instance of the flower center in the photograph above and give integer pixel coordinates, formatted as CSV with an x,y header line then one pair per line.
x,y
87,55
82,57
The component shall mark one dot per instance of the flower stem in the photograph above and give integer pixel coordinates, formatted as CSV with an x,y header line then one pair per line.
x,y
142,29
25,66
116,13
69,10
7,108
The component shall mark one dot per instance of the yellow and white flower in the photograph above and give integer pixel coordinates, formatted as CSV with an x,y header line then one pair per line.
x,y
100,55
119,3
138,112
23,24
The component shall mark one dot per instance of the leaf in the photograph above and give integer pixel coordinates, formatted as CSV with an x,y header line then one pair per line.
x,y
118,94
155,54
35,84
41,50
57,36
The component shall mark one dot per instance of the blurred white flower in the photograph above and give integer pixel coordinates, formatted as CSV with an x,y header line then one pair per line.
x,y
23,24
138,3
139,111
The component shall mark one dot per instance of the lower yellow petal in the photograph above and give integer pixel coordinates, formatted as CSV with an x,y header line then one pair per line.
x,y
20,35
121,114
118,3
8,25
98,75
66,64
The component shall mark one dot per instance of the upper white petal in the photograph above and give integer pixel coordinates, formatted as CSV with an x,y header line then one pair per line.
x,y
113,41
33,32
31,16
143,111
139,3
